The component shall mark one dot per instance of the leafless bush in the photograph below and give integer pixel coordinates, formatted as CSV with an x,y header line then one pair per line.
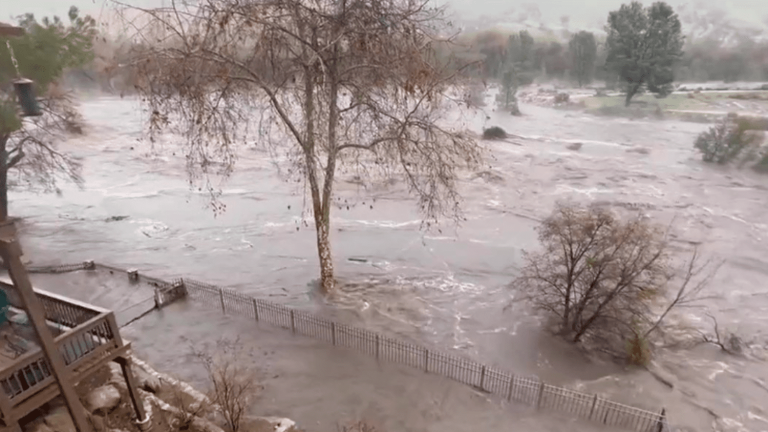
x,y
188,409
604,277
359,426
233,382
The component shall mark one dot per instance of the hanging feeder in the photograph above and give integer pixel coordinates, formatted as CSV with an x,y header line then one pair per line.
x,y
25,91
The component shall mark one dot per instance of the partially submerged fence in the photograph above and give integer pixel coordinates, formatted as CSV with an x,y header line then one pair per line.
x,y
526,390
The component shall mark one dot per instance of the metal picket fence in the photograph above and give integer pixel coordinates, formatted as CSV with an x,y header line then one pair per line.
x,y
526,390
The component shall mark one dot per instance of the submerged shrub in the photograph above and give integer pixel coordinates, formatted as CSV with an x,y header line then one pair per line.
x,y
638,350
494,132
762,165
725,141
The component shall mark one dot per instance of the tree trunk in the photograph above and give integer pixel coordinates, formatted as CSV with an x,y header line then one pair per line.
x,y
630,93
327,281
3,178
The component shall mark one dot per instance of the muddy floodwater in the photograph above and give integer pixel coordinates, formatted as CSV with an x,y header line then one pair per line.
x,y
447,289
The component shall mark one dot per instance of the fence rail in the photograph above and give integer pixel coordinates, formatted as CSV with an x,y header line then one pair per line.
x,y
526,390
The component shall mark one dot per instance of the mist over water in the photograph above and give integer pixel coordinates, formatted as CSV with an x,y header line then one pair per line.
x,y
449,288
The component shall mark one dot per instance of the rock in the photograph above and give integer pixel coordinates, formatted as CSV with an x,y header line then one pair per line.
x,y
115,218
59,420
278,424
146,381
38,427
102,400
574,146
116,379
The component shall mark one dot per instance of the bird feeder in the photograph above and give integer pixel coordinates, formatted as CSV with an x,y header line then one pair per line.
x,y
25,91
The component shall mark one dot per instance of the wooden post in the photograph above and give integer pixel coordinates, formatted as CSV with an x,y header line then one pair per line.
x,y
142,417
426,360
333,333
293,323
541,395
660,422
133,275
221,299
256,309
511,386
482,378
592,410
157,298
5,409
10,250
377,346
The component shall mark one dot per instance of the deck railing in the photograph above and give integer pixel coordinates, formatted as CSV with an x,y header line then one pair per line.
x,y
58,309
31,372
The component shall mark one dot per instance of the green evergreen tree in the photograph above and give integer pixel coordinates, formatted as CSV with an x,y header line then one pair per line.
x,y
643,45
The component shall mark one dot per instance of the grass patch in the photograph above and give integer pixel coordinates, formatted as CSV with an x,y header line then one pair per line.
x,y
648,106
671,102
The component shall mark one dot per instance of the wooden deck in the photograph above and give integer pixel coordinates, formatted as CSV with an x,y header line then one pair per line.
x,y
86,337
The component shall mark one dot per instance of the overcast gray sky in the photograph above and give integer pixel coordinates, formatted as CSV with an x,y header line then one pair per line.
x,y
585,12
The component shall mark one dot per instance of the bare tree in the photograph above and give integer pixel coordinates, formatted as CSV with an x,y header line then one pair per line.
x,y
351,86
31,159
233,382
188,409
605,277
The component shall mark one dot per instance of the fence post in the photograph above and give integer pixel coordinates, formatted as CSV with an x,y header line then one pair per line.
x,y
660,422
482,378
256,309
541,394
157,299
511,386
592,410
426,360
377,346
333,333
221,299
133,275
293,323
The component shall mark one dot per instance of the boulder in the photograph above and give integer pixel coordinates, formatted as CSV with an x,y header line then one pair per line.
x,y
102,400
38,426
116,376
146,381
59,420
277,424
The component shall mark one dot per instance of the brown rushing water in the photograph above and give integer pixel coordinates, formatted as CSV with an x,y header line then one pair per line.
x,y
449,289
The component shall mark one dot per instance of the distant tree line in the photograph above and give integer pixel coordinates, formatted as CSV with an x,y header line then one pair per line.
x,y
710,59
583,57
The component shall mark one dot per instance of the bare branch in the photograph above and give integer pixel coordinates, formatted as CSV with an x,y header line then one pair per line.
x,y
696,277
